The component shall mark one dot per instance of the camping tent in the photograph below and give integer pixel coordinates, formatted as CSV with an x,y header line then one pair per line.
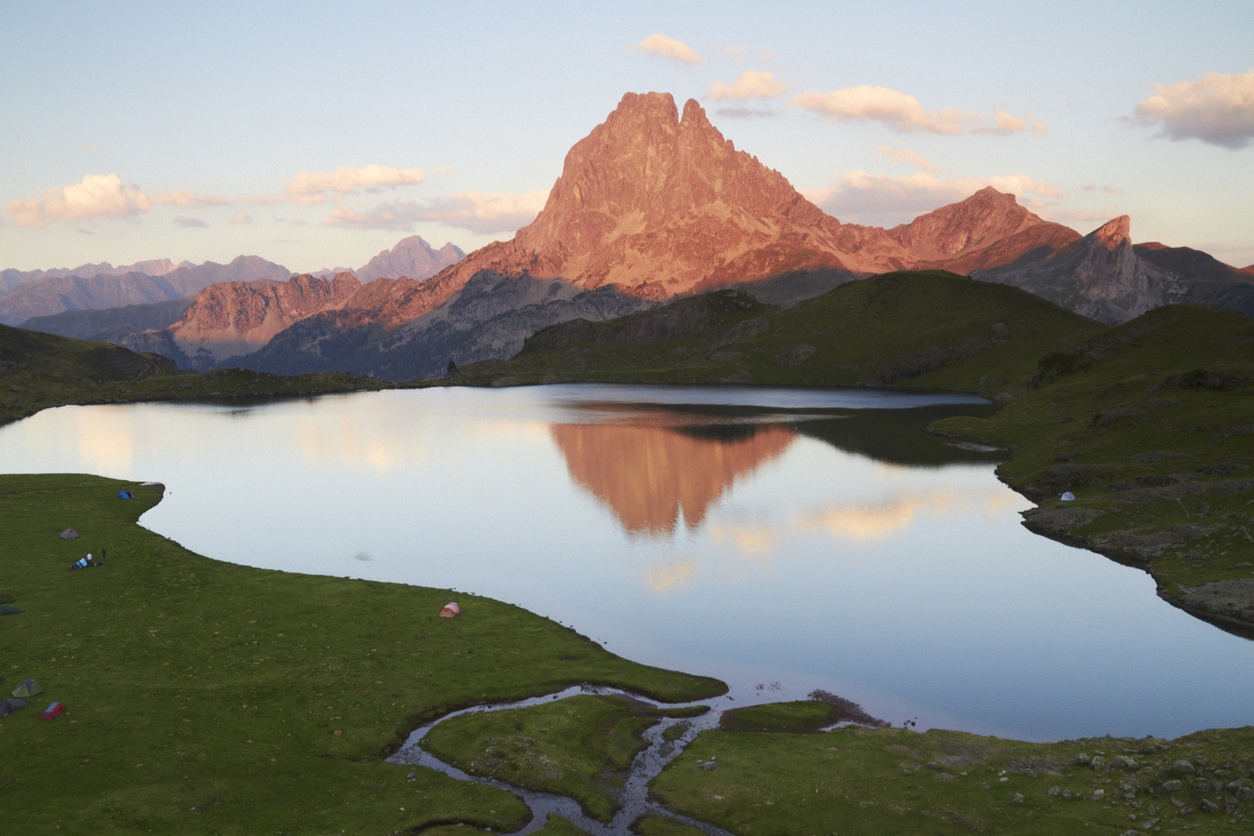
x,y
28,688
450,610
7,707
9,609
125,495
69,534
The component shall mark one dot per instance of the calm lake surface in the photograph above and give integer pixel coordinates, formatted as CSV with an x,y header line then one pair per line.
x,y
780,540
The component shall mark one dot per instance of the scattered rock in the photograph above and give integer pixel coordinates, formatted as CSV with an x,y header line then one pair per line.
x,y
1181,767
1172,786
1017,798
1123,762
1209,806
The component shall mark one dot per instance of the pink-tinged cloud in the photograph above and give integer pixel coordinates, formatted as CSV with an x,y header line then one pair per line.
x,y
309,187
1217,108
905,155
752,84
183,197
487,214
240,218
902,112
97,196
659,44
882,200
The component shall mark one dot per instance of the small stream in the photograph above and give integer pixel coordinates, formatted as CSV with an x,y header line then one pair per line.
x,y
634,800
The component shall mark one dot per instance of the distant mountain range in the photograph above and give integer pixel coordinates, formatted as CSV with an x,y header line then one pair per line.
x,y
650,206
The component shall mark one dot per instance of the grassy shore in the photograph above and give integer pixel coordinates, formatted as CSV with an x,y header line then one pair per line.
x,y
204,697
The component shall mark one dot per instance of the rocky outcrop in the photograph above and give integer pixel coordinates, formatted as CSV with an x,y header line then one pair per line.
x,y
234,318
986,230
411,258
1105,277
1099,276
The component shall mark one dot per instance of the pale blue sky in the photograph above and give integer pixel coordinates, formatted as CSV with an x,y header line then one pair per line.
x,y
318,134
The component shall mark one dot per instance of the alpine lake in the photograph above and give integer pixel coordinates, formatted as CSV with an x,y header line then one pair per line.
x,y
781,540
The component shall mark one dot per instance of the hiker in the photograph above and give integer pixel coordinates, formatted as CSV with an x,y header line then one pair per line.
x,y
87,562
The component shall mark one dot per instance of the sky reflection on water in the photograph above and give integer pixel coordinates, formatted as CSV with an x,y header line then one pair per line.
x,y
759,542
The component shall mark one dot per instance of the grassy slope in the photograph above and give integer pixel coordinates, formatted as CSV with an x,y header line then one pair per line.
x,y
39,370
893,781
930,329
1151,426
208,697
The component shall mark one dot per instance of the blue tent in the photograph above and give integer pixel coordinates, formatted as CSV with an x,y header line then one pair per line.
x,y
125,495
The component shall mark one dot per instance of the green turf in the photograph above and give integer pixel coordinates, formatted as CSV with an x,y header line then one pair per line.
x,y
582,746
893,781
205,697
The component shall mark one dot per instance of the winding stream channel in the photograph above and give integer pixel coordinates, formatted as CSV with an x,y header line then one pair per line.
x,y
633,802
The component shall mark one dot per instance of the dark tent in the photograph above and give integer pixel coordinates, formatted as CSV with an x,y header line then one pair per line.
x,y
6,598
125,495
69,534
9,609
28,688
7,707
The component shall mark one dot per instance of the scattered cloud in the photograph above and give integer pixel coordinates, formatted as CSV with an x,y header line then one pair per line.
x,y
1105,187
97,196
752,84
396,215
1217,108
659,44
881,199
240,218
183,197
905,155
481,213
747,112
308,187
902,112
188,222
487,213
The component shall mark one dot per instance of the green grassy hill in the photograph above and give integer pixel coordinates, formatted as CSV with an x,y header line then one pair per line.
x,y
39,370
922,329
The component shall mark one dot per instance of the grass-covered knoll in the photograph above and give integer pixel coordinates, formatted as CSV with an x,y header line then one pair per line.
x,y
1151,426
205,697
39,370
582,747
893,781
921,329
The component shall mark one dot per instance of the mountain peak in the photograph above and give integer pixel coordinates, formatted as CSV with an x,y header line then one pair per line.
x,y
1114,233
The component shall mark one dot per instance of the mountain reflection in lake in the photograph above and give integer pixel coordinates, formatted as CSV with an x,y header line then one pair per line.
x,y
781,540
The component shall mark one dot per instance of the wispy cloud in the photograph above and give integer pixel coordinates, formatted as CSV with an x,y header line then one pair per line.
x,y
96,196
902,112
188,222
308,187
1217,108
905,155
488,213
184,197
752,84
659,44
240,218
482,213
